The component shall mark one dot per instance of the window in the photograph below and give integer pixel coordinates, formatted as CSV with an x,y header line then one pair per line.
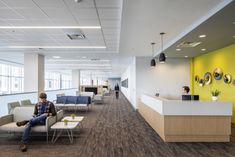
x,y
52,81
56,81
66,81
11,78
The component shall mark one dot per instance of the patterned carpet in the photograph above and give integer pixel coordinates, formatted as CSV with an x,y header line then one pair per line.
x,y
114,129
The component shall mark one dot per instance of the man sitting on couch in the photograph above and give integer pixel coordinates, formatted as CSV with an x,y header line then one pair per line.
x,y
42,110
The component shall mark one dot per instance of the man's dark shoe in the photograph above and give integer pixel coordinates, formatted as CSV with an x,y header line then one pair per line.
x,y
22,123
23,147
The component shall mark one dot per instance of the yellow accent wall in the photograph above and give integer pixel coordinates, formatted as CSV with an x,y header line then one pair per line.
x,y
223,58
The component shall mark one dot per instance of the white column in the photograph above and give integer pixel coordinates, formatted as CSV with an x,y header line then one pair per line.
x,y
76,79
33,73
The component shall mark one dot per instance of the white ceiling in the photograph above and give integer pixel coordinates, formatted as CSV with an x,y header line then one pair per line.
x,y
142,21
139,21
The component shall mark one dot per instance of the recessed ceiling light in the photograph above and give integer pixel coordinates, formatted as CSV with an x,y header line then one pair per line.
x,y
50,27
56,47
234,36
185,56
203,49
202,36
178,49
234,22
56,57
84,57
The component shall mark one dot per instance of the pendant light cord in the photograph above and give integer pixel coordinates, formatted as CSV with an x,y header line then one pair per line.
x,y
153,49
162,33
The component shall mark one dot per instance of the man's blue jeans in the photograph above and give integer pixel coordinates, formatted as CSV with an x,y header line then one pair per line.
x,y
40,120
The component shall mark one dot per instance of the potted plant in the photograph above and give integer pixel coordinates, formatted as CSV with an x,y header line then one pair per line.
x,y
73,116
66,122
215,95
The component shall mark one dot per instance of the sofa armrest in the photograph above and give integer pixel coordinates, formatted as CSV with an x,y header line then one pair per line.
x,y
50,121
6,119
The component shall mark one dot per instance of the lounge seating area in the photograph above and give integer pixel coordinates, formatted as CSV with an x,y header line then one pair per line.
x,y
8,122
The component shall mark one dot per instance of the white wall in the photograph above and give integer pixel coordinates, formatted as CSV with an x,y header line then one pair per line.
x,y
166,79
130,73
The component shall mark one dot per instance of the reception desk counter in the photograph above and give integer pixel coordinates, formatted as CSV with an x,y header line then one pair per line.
x,y
187,121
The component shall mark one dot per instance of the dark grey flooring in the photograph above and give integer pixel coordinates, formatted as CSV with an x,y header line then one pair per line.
x,y
114,129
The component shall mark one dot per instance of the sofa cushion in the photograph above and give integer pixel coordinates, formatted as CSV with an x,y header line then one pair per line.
x,y
71,100
83,100
12,127
22,113
61,100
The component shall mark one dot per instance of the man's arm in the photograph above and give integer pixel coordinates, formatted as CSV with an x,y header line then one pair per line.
x,y
35,110
52,109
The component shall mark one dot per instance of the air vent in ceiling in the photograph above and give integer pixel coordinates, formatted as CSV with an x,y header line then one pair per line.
x,y
188,44
76,36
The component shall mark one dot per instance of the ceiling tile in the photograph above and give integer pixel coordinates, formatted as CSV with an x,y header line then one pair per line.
x,y
84,22
113,13
108,3
110,23
83,4
31,13
50,3
2,5
64,22
58,13
110,31
6,13
19,3
86,14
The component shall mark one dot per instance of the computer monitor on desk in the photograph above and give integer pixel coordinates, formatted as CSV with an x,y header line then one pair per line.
x,y
186,97
190,97
195,97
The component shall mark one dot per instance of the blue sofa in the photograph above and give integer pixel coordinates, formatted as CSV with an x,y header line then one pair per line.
x,y
73,102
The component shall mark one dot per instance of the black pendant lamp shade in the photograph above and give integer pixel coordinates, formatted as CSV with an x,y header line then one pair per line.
x,y
153,61
162,56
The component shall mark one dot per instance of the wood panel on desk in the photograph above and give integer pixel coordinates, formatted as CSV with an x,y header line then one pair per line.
x,y
155,120
197,125
187,128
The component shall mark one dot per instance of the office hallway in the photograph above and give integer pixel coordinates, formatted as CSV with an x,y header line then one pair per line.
x,y
114,129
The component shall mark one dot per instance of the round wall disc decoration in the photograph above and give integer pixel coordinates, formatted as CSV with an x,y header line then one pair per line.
x,y
201,83
227,78
218,73
196,78
207,78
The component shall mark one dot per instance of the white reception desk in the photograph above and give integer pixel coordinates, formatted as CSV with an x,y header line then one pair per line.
x,y
187,121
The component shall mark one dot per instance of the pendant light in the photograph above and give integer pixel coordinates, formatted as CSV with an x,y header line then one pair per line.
x,y
153,62
162,56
